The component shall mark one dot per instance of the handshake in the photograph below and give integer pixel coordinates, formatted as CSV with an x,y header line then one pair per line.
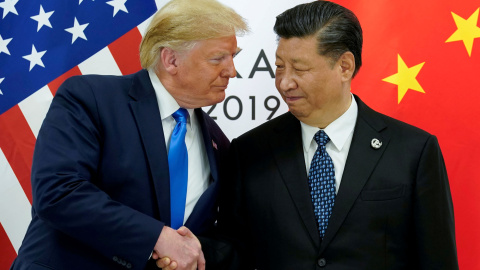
x,y
178,249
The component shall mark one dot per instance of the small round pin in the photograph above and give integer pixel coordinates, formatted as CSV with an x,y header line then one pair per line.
x,y
376,143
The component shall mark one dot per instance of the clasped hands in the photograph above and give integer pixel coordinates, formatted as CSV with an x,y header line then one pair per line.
x,y
178,249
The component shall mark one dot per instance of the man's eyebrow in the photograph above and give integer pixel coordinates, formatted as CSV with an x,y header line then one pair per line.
x,y
237,51
294,60
224,53
298,61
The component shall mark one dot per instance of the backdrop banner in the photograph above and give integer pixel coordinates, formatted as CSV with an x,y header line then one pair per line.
x,y
420,65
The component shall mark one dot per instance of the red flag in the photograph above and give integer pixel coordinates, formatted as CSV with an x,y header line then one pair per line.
x,y
421,61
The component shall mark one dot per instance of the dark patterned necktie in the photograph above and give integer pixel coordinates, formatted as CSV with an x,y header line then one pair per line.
x,y
321,179
178,167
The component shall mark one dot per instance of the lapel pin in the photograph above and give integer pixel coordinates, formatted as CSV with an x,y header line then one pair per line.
x,y
214,145
376,143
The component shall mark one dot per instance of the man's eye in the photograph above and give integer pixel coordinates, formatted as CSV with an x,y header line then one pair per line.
x,y
216,60
219,58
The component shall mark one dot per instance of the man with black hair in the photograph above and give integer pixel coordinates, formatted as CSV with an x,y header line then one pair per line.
x,y
332,184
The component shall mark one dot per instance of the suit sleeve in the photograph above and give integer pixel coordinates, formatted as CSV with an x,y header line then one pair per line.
x,y
66,192
433,211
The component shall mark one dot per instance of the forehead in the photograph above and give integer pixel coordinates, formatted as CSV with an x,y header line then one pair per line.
x,y
297,50
222,45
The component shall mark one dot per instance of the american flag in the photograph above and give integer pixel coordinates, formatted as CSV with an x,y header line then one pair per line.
x,y
41,44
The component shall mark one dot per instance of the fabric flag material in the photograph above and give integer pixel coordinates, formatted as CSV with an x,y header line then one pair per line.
x,y
420,64
421,61
41,44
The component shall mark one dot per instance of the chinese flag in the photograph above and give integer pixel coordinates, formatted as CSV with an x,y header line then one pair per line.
x,y
421,65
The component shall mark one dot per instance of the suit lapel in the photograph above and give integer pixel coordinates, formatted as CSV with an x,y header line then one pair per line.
x,y
287,150
145,110
209,140
207,200
361,161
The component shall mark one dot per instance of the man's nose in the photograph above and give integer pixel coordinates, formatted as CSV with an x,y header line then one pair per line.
x,y
229,70
286,82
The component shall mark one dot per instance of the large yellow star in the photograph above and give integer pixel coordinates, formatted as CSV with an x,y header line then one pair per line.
x,y
467,30
405,78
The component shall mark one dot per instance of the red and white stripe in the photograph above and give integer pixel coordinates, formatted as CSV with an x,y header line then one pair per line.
x,y
19,128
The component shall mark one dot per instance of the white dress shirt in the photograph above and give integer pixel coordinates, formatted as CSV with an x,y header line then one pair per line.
x,y
198,165
340,133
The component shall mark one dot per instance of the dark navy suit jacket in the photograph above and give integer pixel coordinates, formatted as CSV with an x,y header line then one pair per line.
x,y
393,210
100,177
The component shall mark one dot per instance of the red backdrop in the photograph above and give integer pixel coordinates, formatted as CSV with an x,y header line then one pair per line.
x,y
412,73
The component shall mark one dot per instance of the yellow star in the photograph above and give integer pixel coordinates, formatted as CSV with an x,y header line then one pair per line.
x,y
467,30
405,78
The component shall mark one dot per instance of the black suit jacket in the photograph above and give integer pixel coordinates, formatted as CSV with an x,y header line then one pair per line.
x,y
100,177
393,209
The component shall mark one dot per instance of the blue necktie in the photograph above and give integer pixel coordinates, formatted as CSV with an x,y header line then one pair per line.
x,y
178,167
321,179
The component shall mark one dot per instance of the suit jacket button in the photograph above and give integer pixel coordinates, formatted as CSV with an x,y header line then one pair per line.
x,y
322,262
129,266
115,258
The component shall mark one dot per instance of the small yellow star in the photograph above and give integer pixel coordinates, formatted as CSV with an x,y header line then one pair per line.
x,y
467,30
405,78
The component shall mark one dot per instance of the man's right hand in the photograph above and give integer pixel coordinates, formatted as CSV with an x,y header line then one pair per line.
x,y
166,264
180,246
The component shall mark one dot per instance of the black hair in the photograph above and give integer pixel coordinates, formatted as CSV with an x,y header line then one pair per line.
x,y
335,27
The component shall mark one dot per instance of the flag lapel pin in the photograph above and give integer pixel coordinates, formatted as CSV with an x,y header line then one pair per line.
x,y
214,145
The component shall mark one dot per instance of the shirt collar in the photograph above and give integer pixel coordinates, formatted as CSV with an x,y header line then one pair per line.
x,y
338,131
166,103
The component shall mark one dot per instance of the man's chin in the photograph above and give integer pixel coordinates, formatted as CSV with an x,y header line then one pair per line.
x,y
296,112
214,101
220,97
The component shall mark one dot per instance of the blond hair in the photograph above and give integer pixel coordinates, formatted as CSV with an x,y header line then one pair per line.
x,y
180,23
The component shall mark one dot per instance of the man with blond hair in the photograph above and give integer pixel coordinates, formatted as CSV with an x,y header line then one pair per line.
x,y
126,169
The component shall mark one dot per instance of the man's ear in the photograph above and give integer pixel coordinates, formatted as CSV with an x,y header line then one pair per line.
x,y
169,60
347,65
